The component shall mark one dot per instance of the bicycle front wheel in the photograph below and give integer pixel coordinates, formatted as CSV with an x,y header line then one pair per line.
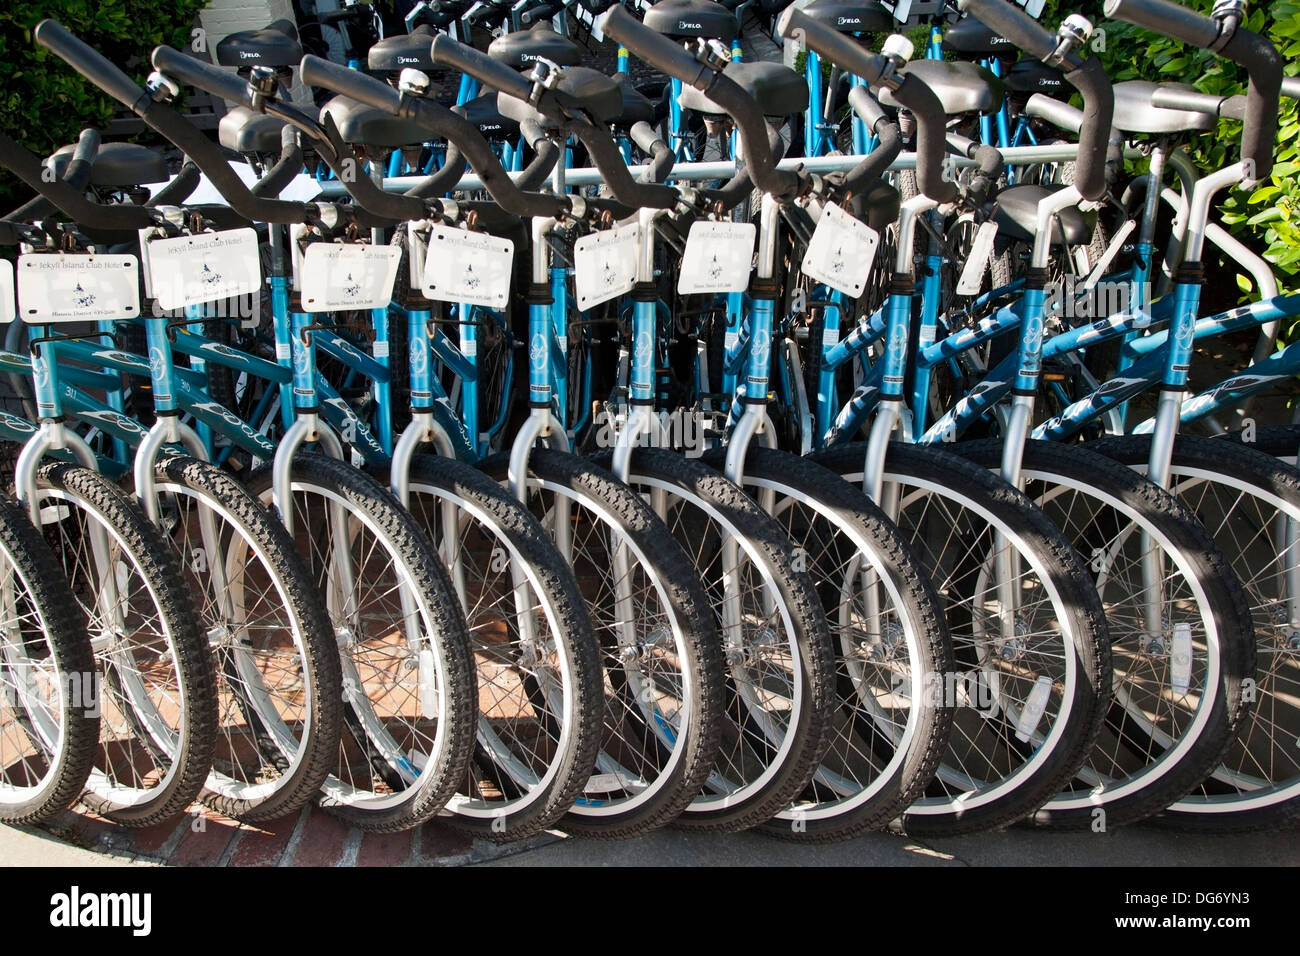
x,y
406,674
1033,671
659,650
1181,640
1250,503
272,645
540,699
158,698
49,710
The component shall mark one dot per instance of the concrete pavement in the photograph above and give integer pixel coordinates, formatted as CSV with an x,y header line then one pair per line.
x,y
313,839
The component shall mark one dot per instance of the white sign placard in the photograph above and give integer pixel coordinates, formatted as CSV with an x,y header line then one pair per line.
x,y
841,252
190,270
66,287
604,264
471,267
8,304
348,276
718,257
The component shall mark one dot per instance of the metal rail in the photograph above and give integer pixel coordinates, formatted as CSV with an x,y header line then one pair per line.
x,y
588,176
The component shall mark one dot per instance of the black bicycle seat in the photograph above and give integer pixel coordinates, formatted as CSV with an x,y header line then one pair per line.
x,y
961,87
523,47
363,125
636,107
482,111
1135,113
409,51
851,16
877,204
118,165
276,45
1033,76
778,90
973,38
682,19
1017,216
245,131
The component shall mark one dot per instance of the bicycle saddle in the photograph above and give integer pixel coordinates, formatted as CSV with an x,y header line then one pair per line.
x,y
521,48
578,87
961,87
778,90
877,204
851,16
247,132
682,19
118,165
276,45
1017,216
970,36
410,51
361,125
1135,113
482,111
1033,76
636,108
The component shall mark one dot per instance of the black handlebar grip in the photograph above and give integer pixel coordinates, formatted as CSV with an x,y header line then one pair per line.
x,y
1014,23
543,11
846,53
1263,100
1091,81
351,83
482,67
1190,100
89,62
87,147
202,76
931,138
487,11
645,136
1061,115
889,140
179,189
1162,16
596,7
868,108
658,51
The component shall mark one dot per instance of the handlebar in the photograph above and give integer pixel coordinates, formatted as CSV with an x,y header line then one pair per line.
x,y
1086,76
1254,52
88,62
541,11
76,174
169,124
667,57
116,218
466,59
912,93
1229,107
442,122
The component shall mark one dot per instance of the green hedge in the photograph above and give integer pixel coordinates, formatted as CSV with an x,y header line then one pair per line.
x,y
44,104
